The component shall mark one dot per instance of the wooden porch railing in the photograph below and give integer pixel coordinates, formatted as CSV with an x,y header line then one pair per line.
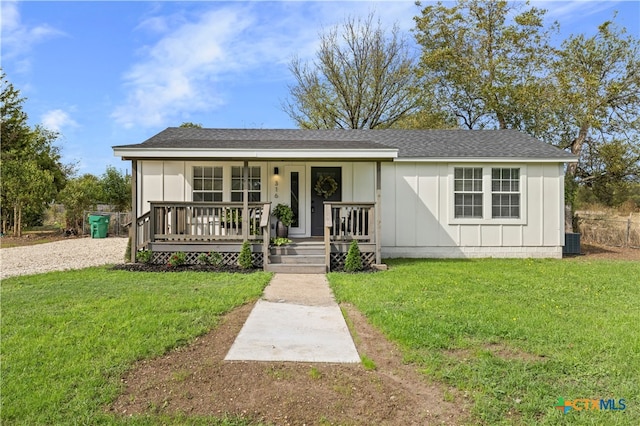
x,y
351,221
345,221
203,222
143,234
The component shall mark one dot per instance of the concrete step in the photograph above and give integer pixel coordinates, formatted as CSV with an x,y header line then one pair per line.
x,y
289,268
301,249
297,258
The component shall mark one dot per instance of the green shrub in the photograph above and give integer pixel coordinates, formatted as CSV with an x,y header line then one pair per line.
x,y
353,263
144,256
178,258
284,214
280,241
212,258
244,260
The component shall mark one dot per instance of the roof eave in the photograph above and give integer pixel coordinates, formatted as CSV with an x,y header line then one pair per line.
x,y
487,160
128,153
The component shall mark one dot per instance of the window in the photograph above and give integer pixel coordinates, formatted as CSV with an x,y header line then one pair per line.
x,y
505,193
295,198
467,186
207,183
254,183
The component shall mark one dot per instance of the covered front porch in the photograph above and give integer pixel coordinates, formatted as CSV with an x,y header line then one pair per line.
x,y
203,190
222,227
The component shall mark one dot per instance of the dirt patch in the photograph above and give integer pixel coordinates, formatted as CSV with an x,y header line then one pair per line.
x,y
195,380
34,237
595,251
154,267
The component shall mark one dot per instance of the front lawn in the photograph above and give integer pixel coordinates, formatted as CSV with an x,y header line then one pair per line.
x,y
515,335
67,337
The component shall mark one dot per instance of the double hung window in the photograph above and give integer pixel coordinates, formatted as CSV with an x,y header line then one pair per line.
x,y
254,183
225,183
487,193
207,183
505,193
467,188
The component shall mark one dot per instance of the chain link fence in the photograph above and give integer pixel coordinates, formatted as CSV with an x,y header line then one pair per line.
x,y
608,230
119,223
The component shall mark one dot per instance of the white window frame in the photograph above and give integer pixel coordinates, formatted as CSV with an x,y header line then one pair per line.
x,y
487,198
213,180
226,177
472,191
509,191
251,177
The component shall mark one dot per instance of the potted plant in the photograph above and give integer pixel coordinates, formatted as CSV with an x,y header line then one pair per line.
x,y
284,214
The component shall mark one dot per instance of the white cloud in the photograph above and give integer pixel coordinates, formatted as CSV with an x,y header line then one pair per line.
x,y
19,38
190,68
57,119
178,73
569,11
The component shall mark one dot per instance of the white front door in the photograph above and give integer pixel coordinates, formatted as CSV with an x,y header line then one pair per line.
x,y
296,187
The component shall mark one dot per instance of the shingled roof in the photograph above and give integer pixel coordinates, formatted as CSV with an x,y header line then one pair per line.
x,y
423,144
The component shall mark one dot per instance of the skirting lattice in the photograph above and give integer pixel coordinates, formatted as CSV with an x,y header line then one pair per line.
x,y
228,258
338,259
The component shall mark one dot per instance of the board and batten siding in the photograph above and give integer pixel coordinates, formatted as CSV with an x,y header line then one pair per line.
x,y
417,216
171,180
160,181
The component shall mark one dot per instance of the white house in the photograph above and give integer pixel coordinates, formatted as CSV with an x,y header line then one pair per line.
x,y
400,193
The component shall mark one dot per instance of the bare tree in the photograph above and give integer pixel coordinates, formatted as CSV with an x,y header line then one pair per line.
x,y
362,78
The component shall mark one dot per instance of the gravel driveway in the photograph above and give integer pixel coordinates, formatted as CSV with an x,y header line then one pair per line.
x,y
73,253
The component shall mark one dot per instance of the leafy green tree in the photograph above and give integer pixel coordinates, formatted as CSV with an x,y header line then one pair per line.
x,y
80,194
610,173
191,125
484,60
13,127
116,189
362,78
21,143
25,184
597,103
598,83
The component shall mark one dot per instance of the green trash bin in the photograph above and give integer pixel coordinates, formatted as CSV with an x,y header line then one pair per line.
x,y
99,225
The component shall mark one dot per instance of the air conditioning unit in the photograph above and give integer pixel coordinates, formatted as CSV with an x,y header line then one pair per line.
x,y
571,243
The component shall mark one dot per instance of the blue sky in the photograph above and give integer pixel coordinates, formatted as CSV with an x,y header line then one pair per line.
x,y
112,73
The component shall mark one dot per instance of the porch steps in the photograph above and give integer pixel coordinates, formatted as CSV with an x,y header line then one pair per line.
x,y
305,257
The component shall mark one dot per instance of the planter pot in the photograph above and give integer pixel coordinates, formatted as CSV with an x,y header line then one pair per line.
x,y
282,231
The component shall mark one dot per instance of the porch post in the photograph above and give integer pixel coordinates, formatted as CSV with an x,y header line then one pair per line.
x,y
245,202
327,224
133,232
378,213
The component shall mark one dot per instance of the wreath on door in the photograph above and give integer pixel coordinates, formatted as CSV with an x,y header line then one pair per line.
x,y
326,186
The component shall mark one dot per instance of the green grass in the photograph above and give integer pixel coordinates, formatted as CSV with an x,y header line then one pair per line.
x,y
67,337
515,334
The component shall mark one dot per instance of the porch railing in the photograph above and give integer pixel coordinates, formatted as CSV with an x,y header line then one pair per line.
x,y
346,221
351,221
202,222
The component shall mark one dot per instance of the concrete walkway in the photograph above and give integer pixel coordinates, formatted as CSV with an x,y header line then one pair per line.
x,y
296,320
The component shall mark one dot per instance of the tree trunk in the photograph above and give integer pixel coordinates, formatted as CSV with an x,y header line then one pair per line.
x,y
18,224
576,148
572,168
15,220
